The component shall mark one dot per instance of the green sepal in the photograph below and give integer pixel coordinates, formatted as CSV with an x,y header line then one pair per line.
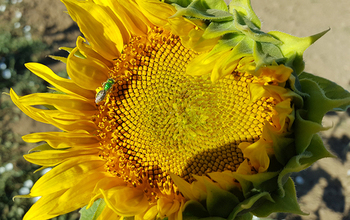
x,y
94,211
240,25
244,7
247,28
217,29
194,209
331,90
207,218
320,96
249,204
219,202
294,47
246,216
315,151
266,54
237,49
204,9
182,3
255,181
215,4
304,130
287,203
318,151
317,103
238,43
283,147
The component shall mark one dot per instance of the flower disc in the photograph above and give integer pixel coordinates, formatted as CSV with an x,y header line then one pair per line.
x,y
159,120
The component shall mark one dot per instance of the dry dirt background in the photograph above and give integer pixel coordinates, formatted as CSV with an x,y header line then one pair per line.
x,y
325,189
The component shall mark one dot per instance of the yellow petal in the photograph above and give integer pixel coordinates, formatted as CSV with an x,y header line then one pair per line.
x,y
151,213
156,11
86,50
257,154
109,214
62,139
167,206
87,73
103,30
41,208
125,201
77,195
62,102
68,174
128,12
51,158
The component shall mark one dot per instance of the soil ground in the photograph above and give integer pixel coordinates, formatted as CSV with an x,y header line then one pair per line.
x,y
323,189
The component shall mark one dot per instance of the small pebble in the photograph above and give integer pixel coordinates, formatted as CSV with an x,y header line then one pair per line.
x,y
8,166
18,14
24,191
28,183
26,28
28,36
17,24
3,66
6,74
2,8
299,180
348,173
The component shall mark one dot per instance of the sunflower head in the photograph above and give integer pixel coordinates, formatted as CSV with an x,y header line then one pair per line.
x,y
177,109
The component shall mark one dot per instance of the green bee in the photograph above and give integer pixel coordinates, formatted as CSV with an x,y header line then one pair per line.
x,y
106,87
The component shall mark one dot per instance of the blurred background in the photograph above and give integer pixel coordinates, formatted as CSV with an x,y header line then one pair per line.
x,y
32,29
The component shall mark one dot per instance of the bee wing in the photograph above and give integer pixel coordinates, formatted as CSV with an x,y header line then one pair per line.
x,y
100,96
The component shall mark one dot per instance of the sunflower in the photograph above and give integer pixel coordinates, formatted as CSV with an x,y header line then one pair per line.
x,y
176,109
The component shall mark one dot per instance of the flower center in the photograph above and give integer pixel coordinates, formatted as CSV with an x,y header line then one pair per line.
x,y
158,120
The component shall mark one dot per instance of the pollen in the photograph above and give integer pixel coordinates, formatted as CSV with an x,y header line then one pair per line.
x,y
156,119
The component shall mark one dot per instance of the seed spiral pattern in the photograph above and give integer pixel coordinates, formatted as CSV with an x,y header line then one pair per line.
x,y
158,120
